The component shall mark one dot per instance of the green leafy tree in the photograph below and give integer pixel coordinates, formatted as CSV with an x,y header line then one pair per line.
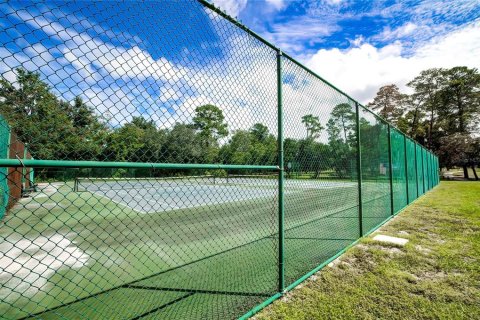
x,y
89,133
411,122
182,145
388,103
260,132
255,146
427,88
341,125
35,115
341,137
460,96
313,125
210,123
138,140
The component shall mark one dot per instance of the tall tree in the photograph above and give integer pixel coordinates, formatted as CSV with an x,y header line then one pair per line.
x,y
34,113
209,121
341,125
182,145
461,100
260,131
428,87
313,125
412,122
89,132
389,103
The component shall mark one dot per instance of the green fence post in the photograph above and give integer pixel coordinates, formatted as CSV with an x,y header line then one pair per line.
x,y
359,168
391,167
416,169
406,166
423,170
428,169
281,209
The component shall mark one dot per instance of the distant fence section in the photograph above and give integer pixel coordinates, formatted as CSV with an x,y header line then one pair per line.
x,y
185,168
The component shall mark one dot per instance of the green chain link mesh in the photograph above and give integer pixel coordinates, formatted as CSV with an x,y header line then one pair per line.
x,y
376,193
140,176
320,158
398,170
411,170
420,175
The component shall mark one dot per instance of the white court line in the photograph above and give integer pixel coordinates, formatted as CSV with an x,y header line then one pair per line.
x,y
117,202
149,197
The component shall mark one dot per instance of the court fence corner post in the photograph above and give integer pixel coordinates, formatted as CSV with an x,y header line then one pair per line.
x,y
281,169
390,168
406,167
416,170
359,168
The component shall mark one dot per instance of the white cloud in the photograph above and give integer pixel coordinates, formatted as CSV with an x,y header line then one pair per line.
x,y
291,36
277,4
232,7
122,82
360,71
400,32
332,2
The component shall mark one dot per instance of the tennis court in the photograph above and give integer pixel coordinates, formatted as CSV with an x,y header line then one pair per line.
x,y
165,245
183,173
149,195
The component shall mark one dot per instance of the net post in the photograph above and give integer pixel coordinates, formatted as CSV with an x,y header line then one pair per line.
x,y
281,208
406,166
359,168
392,212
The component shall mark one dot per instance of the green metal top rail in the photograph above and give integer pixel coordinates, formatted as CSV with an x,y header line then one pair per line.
x,y
101,164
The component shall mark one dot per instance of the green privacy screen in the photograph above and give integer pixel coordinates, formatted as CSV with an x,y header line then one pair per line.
x,y
375,170
411,170
399,173
420,168
4,153
180,173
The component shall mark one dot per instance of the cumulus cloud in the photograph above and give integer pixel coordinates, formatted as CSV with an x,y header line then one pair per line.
x,y
362,69
277,4
232,7
125,81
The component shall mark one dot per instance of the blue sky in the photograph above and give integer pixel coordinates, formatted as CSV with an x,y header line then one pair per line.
x,y
362,45
161,59
304,27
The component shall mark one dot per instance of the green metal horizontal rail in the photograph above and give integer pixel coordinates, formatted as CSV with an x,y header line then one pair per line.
x,y
100,164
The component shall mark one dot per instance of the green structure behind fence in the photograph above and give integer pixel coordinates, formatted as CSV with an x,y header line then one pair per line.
x,y
185,168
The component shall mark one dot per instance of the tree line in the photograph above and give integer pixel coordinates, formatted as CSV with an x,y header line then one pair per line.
x,y
58,129
442,113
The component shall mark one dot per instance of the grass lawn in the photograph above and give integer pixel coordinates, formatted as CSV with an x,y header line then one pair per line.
x,y
435,276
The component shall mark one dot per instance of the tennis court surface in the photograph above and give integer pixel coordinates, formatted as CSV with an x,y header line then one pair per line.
x,y
165,247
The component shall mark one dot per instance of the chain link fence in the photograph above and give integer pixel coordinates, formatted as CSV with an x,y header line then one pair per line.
x,y
158,160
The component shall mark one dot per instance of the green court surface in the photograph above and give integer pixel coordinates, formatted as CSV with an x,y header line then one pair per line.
x,y
83,254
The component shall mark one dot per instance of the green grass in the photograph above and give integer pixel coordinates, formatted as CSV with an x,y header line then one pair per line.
x,y
435,276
